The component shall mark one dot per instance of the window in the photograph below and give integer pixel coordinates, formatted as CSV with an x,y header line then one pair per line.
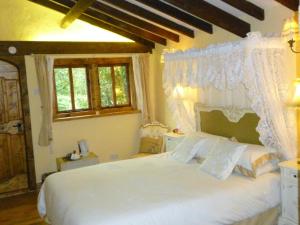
x,y
93,87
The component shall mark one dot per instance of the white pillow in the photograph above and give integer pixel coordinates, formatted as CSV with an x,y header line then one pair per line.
x,y
205,148
222,159
185,150
257,160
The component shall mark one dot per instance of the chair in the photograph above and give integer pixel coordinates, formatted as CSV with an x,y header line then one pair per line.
x,y
151,139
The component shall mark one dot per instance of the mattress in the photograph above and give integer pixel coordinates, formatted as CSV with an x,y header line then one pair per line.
x,y
154,190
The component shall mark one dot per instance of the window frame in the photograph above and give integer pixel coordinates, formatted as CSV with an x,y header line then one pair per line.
x,y
93,86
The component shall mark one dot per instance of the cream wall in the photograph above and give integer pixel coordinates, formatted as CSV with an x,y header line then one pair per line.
x,y
22,20
275,15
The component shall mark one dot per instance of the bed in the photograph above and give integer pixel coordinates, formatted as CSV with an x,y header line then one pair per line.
x,y
157,190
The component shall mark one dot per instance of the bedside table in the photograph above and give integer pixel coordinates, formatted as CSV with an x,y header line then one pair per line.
x,y
171,140
90,159
289,192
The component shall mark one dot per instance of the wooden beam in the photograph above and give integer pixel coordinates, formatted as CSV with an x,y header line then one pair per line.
x,y
75,12
117,23
39,47
95,22
120,15
212,14
148,15
291,4
178,14
247,7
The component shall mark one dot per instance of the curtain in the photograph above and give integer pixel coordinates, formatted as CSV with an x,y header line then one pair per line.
x,y
268,79
141,79
44,71
252,73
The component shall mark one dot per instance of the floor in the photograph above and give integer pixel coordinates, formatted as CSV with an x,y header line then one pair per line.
x,y
20,210
18,182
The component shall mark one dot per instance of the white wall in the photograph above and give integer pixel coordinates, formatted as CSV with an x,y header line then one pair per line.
x,y
275,14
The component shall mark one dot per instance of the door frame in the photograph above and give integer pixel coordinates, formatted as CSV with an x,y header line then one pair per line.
x,y
19,63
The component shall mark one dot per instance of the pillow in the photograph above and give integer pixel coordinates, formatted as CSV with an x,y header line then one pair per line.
x,y
222,159
257,160
211,141
185,150
151,145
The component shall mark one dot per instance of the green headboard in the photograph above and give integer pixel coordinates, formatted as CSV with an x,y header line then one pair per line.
x,y
215,122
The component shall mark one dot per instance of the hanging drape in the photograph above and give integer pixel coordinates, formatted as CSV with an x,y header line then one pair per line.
x,y
44,71
252,73
141,79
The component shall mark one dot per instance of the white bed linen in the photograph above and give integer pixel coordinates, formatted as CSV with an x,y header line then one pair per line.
x,y
155,190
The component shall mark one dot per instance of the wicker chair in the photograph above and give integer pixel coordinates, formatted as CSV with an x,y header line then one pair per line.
x,y
151,139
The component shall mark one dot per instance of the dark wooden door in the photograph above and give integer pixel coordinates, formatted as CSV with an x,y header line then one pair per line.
x,y
12,144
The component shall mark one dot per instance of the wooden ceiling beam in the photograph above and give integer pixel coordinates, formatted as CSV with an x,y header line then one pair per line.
x,y
178,14
117,23
148,15
212,14
40,47
247,7
63,9
291,4
75,12
120,15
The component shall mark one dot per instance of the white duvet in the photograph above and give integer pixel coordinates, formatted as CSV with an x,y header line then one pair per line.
x,y
153,191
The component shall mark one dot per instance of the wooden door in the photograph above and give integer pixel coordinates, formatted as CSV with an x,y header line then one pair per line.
x,y
12,144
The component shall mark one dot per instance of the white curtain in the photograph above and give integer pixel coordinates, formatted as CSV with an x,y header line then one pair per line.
x,y
249,73
44,71
141,79
268,78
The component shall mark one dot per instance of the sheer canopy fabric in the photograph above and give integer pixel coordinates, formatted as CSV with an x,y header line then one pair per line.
x,y
252,73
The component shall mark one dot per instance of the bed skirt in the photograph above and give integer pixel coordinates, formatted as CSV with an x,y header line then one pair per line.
x,y
269,217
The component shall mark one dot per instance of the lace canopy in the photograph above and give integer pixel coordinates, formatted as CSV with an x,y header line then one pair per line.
x,y
252,74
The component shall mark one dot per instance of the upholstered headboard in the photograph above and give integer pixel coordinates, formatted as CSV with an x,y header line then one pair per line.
x,y
214,121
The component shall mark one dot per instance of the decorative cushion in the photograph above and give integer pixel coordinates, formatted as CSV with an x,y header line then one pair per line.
x,y
186,150
257,160
207,146
151,145
222,159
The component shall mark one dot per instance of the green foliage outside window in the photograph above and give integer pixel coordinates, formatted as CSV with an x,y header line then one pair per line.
x,y
63,89
80,88
106,86
121,86
71,85
105,82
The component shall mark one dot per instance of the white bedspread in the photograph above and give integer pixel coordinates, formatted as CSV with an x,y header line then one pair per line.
x,y
153,191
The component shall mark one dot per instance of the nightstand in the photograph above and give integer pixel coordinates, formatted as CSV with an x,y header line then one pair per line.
x,y
171,140
90,159
289,192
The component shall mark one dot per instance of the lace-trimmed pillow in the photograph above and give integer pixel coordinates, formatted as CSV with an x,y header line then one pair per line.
x,y
222,159
257,160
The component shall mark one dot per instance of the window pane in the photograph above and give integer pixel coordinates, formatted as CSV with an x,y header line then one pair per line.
x,y
105,80
63,90
80,88
121,85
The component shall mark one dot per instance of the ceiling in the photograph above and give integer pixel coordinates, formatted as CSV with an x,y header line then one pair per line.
x,y
149,22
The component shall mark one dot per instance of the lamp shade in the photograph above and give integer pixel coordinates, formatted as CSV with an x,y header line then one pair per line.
x,y
290,30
